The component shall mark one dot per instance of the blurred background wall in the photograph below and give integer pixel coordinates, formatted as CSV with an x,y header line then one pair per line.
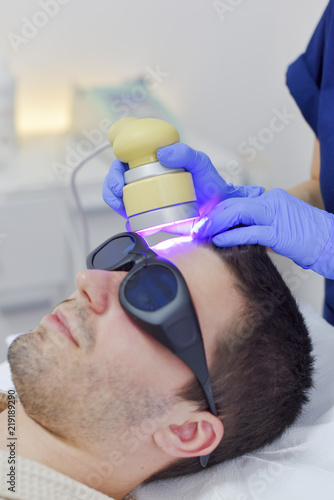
x,y
222,68
218,67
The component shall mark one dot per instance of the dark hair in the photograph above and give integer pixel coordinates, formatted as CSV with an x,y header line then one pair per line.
x,y
262,368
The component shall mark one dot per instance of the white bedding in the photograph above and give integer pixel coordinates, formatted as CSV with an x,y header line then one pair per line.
x,y
299,466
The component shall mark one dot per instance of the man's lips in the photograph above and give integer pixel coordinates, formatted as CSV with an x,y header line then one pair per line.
x,y
59,321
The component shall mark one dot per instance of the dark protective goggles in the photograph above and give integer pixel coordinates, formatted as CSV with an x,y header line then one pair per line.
x,y
155,296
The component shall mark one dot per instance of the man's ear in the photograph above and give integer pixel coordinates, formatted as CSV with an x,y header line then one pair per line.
x,y
198,436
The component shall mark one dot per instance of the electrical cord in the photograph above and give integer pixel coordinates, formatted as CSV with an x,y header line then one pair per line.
x,y
81,211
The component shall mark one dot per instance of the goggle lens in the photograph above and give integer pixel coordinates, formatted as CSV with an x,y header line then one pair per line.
x,y
113,252
151,288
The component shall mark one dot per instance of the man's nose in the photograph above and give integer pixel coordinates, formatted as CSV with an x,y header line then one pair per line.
x,y
99,288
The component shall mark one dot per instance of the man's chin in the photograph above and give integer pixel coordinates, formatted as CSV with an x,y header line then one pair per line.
x,y
28,360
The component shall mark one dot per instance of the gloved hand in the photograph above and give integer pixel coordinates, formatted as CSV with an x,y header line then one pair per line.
x,y
278,220
210,187
112,190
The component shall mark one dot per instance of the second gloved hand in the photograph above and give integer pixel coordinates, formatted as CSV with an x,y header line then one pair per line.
x,y
280,221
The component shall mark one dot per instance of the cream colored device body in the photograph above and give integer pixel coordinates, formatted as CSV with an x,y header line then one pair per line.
x,y
154,195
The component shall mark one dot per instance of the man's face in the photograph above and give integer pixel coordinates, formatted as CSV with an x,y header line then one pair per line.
x,y
111,374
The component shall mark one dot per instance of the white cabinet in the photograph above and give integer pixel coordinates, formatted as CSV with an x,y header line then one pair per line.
x,y
33,247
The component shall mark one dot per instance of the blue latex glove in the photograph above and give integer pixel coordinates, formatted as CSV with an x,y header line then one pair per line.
x,y
280,221
210,187
112,190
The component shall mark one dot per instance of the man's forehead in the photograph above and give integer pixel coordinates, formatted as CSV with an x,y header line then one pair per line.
x,y
178,247
188,251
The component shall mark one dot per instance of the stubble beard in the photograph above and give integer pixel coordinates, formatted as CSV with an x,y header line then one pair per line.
x,y
83,402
